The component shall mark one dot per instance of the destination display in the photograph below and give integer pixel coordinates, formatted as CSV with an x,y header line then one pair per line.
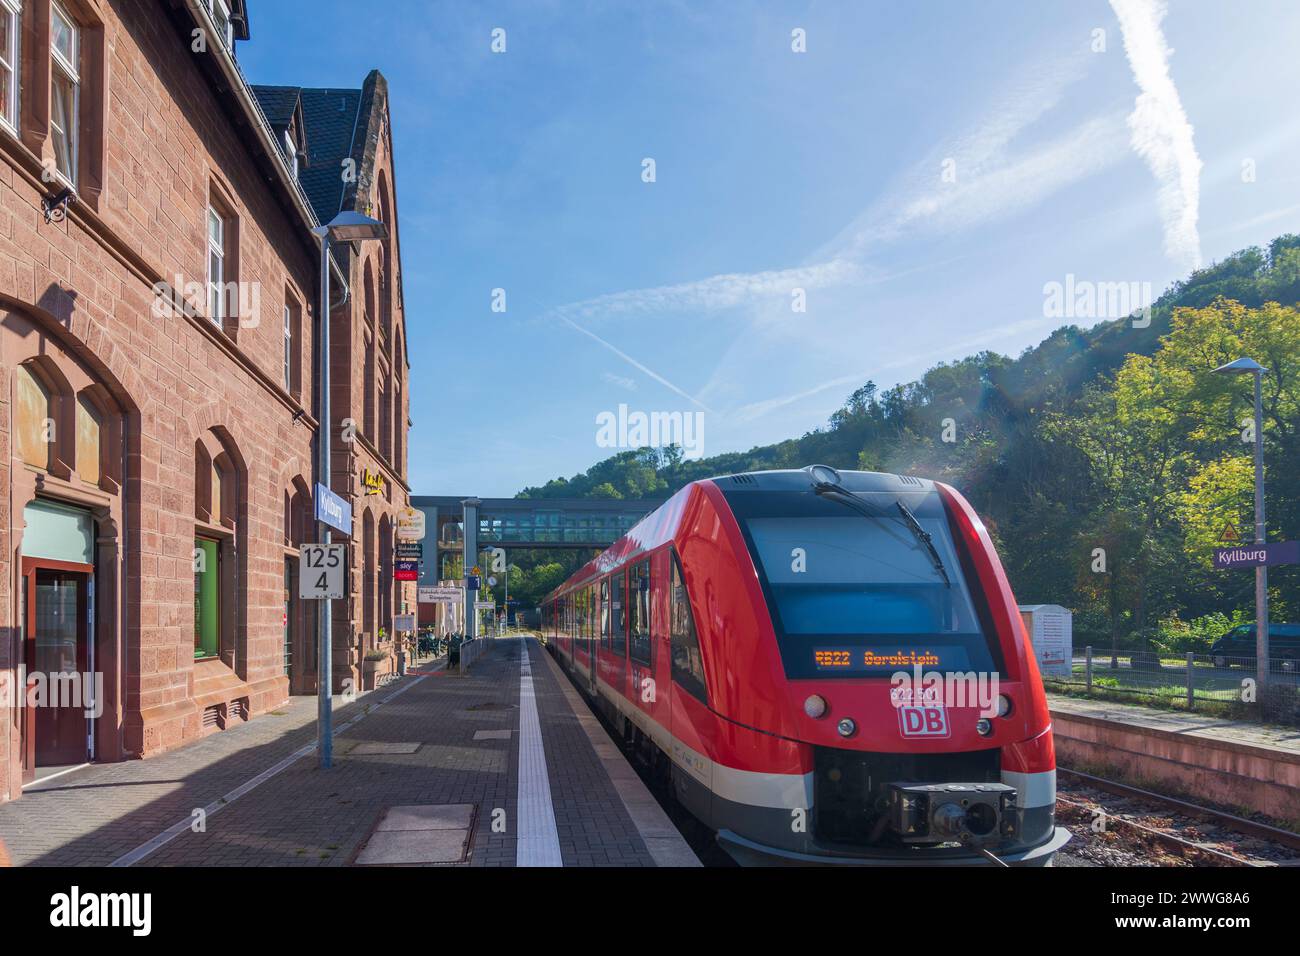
x,y
886,660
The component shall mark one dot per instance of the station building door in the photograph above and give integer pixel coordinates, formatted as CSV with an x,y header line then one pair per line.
x,y
58,641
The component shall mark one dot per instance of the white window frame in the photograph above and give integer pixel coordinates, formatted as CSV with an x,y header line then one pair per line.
x,y
217,246
223,17
73,74
288,348
291,150
13,9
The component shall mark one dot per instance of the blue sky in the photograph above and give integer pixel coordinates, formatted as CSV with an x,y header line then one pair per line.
x,y
920,172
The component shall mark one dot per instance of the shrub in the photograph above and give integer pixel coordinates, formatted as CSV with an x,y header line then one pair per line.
x,y
1176,637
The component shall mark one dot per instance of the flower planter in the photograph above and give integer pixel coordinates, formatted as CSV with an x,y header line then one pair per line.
x,y
372,671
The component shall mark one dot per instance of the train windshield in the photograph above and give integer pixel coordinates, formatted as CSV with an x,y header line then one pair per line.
x,y
863,596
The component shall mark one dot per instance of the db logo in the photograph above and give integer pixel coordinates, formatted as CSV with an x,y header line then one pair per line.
x,y
930,720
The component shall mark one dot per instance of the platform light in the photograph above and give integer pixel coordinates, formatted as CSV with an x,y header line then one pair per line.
x,y
350,226
347,226
815,706
847,727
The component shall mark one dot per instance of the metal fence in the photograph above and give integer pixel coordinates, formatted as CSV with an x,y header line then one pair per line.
x,y
1210,681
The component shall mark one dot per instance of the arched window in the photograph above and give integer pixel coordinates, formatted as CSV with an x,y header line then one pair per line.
x,y
386,277
368,578
202,483
386,575
368,386
35,418
218,503
399,413
385,414
90,440
369,281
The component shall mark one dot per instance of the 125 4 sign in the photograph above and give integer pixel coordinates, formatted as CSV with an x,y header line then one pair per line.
x,y
322,571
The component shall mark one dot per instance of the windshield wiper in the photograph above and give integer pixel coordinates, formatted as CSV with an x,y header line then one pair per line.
x,y
848,498
924,537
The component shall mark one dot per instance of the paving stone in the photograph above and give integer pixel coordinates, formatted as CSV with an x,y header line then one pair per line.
x,y
491,735
305,816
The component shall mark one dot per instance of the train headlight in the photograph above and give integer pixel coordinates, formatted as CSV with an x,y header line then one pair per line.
x,y
815,706
983,726
847,727
1004,705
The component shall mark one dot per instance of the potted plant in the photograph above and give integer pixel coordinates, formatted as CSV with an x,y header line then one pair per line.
x,y
376,664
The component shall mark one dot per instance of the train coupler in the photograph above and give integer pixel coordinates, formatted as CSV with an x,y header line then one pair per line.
x,y
975,814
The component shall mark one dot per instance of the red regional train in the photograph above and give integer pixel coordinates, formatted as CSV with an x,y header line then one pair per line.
x,y
829,667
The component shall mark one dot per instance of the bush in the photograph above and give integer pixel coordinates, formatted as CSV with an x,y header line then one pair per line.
x,y
1175,637
1091,626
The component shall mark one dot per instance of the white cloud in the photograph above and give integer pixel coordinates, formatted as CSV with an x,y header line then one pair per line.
x,y
628,384
715,292
1159,129
997,176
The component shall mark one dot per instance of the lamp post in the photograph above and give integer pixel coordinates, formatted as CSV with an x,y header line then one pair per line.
x,y
1248,366
345,227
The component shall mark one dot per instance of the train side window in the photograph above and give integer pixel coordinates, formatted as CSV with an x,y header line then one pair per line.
x,y
606,618
588,617
688,664
638,599
618,612
579,614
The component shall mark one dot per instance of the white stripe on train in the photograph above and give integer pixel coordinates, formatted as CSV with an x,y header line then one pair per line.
x,y
780,790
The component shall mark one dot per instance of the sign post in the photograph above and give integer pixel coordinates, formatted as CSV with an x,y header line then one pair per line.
x,y
332,512
469,555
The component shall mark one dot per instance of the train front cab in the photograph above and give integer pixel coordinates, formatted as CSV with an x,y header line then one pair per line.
x,y
809,794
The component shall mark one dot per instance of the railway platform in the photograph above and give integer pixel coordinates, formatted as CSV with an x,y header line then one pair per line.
x,y
1230,762
502,766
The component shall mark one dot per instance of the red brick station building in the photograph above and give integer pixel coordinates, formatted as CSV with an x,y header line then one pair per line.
x,y
158,386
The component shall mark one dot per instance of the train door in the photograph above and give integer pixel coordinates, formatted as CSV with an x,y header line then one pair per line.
x,y
640,648
618,634
688,699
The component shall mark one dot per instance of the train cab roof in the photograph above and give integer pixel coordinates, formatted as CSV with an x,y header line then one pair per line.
x,y
801,479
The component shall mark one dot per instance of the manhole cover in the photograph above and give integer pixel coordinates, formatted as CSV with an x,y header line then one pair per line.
x,y
491,735
420,834
373,747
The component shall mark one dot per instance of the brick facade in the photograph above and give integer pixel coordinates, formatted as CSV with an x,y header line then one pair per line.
x,y
198,430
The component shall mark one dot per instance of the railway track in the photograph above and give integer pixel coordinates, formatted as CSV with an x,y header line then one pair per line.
x,y
1119,824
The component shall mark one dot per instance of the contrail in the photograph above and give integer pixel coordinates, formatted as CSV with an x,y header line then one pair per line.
x,y
633,362
1159,130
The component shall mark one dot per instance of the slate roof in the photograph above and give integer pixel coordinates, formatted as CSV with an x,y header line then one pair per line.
x,y
331,118
277,102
